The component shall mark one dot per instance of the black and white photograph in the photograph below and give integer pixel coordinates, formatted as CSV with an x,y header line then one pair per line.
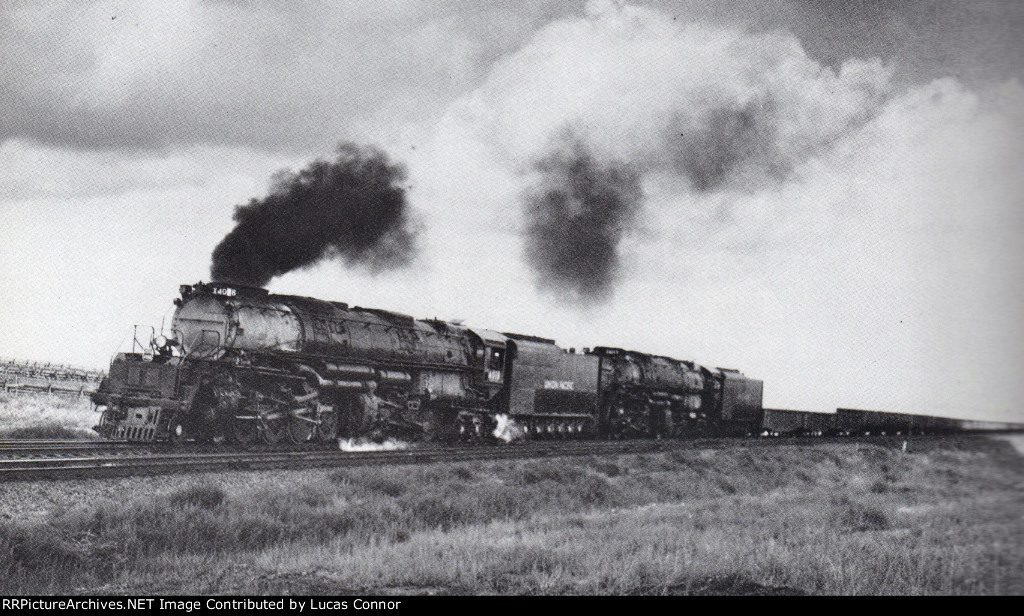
x,y
368,304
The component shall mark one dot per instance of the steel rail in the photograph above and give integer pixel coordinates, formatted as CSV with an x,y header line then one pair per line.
x,y
15,442
10,448
57,468
120,466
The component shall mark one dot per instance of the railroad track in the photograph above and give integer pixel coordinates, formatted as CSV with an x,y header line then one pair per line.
x,y
154,462
44,447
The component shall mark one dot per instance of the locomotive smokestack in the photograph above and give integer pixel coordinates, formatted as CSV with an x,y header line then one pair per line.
x,y
576,219
352,208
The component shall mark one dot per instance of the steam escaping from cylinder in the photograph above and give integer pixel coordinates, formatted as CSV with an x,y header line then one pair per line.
x,y
507,429
363,444
352,208
576,218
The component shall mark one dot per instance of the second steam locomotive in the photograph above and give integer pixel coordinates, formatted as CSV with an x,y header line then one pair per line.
x,y
247,366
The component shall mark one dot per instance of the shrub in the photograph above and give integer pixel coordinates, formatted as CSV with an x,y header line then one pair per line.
x,y
860,517
383,483
203,495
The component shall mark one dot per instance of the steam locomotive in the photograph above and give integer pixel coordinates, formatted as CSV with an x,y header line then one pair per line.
x,y
246,366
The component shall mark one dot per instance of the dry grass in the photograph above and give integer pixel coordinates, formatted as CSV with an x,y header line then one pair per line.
x,y
833,519
43,416
794,546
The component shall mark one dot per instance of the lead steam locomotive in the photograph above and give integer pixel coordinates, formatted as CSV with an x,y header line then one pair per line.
x,y
245,366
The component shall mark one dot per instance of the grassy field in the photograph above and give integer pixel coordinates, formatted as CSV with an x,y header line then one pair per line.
x,y
944,517
42,416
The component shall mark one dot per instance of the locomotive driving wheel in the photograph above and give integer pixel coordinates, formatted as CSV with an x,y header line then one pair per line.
x,y
302,421
301,426
271,423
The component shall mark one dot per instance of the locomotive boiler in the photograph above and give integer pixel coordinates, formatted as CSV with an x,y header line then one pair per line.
x,y
246,366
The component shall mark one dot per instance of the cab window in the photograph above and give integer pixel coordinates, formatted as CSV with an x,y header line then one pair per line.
x,y
497,360
494,365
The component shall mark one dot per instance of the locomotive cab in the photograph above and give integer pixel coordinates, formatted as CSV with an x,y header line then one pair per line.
x,y
489,357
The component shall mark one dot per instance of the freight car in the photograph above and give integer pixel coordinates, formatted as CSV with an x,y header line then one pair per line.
x,y
854,422
246,366
782,422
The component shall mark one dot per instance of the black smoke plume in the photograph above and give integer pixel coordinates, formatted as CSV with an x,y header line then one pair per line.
x,y
352,208
575,221
727,143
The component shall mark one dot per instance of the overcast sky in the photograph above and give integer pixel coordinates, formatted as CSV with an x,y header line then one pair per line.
x,y
857,244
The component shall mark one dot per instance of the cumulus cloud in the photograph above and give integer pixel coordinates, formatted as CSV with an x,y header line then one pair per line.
x,y
150,75
845,238
718,108
292,77
976,41
882,274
